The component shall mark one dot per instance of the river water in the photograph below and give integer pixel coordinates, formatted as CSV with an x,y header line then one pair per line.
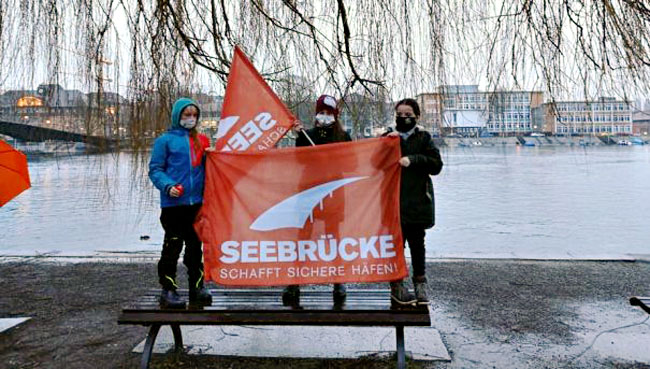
x,y
491,202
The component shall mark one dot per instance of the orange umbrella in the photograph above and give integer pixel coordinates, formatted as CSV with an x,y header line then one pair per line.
x,y
14,177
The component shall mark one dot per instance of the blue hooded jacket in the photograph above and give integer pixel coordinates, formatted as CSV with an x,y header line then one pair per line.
x,y
171,162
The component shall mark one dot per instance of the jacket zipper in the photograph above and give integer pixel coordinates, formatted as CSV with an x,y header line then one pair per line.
x,y
189,149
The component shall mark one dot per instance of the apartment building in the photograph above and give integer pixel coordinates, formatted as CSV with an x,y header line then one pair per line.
x,y
603,116
466,110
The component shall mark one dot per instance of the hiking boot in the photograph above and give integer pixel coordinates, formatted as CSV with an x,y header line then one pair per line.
x,y
200,295
400,295
339,293
420,284
291,295
169,299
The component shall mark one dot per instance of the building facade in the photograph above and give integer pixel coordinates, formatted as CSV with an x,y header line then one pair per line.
x,y
466,110
641,123
52,106
603,116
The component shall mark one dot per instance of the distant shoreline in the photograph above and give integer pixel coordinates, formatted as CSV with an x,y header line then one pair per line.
x,y
535,141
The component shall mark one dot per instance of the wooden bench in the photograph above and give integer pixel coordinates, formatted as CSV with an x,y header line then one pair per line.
x,y
362,308
642,302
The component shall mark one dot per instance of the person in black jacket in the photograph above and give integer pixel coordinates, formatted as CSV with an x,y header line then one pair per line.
x,y
327,129
420,160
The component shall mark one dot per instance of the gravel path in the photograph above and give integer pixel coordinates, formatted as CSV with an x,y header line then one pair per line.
x,y
490,313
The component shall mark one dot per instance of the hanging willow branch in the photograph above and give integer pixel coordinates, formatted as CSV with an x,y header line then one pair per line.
x,y
378,49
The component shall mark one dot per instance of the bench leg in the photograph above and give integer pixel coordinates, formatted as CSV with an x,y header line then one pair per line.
x,y
401,355
148,346
178,338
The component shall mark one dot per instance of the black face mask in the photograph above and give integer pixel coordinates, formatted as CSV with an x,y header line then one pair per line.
x,y
404,124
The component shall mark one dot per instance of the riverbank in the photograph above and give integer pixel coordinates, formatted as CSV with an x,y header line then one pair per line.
x,y
501,313
578,141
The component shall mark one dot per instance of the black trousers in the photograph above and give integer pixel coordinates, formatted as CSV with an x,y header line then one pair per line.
x,y
177,221
413,234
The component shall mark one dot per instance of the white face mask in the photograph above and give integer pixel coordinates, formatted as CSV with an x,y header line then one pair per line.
x,y
188,123
324,120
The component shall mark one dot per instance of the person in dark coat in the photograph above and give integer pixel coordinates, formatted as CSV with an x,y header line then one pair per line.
x,y
420,160
327,129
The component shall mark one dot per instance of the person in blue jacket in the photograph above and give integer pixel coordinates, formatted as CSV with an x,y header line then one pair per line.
x,y
177,169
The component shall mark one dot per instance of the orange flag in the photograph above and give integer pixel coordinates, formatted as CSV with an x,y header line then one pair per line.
x,y
252,118
326,214
14,175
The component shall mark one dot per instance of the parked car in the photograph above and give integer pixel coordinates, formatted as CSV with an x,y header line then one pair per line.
x,y
537,134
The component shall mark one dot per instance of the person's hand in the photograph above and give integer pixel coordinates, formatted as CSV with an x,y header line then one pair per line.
x,y
210,149
174,192
297,127
404,161
393,134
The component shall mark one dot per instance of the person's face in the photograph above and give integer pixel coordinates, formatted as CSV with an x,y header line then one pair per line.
x,y
405,111
325,112
190,112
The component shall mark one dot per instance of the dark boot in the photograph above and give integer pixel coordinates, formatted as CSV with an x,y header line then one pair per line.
x,y
169,299
420,284
400,295
200,295
291,295
339,293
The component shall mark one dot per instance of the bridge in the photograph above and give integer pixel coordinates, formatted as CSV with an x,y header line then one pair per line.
x,y
28,132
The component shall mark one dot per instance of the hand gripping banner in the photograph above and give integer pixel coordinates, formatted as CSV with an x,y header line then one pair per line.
x,y
325,214
252,118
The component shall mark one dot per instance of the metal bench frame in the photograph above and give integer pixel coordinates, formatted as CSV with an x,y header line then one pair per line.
x,y
363,308
642,302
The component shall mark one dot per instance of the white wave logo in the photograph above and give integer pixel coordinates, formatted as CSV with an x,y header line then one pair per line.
x,y
293,211
225,125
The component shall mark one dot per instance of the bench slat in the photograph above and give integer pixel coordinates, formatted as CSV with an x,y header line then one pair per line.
x,y
362,307
275,318
229,299
269,306
279,308
276,292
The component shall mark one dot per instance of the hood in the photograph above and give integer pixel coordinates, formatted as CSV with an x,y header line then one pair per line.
x,y
178,107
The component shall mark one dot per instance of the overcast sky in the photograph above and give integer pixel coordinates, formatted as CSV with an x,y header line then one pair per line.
x,y
404,59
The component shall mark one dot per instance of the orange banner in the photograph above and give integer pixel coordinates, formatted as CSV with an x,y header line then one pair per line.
x,y
252,118
325,214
